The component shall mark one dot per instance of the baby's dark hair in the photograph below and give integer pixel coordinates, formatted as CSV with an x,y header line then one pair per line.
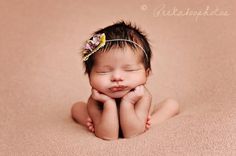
x,y
122,30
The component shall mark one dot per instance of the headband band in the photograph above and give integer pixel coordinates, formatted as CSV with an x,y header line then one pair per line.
x,y
99,40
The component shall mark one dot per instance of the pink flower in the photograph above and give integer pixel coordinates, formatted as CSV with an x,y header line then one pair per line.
x,y
93,45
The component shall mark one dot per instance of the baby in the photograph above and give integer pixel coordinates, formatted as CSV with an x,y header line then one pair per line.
x,y
117,61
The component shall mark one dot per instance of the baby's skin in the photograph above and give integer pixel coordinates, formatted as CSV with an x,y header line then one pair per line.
x,y
130,116
134,101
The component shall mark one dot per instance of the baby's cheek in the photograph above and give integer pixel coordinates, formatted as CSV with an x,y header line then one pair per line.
x,y
98,83
93,82
138,81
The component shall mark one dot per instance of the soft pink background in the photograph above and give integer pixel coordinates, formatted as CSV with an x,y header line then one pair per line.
x,y
41,72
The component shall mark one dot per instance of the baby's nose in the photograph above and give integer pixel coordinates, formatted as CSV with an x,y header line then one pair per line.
x,y
117,76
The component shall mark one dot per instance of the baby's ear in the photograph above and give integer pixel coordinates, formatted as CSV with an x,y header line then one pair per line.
x,y
148,72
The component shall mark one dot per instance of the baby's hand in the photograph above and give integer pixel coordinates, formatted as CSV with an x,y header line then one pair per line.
x,y
100,97
134,95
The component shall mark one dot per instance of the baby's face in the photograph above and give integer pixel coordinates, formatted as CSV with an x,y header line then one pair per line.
x,y
118,71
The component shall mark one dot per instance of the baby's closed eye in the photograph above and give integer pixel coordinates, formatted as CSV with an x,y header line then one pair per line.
x,y
103,71
132,69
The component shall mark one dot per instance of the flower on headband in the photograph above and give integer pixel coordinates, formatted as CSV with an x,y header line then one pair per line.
x,y
93,45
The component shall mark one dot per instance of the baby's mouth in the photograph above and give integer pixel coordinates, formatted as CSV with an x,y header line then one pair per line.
x,y
117,88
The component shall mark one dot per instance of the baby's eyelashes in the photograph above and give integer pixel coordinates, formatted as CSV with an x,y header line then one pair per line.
x,y
109,71
102,72
131,70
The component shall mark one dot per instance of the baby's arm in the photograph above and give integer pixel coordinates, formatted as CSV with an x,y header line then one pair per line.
x,y
105,121
134,111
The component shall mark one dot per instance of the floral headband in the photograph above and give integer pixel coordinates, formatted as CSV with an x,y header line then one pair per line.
x,y
98,41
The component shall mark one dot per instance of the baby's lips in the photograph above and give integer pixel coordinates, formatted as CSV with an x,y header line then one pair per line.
x,y
117,88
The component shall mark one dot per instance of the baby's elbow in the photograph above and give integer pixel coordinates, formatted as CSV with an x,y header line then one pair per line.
x,y
107,136
139,129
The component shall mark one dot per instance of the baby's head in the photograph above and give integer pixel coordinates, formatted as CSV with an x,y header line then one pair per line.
x,y
117,59
124,32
